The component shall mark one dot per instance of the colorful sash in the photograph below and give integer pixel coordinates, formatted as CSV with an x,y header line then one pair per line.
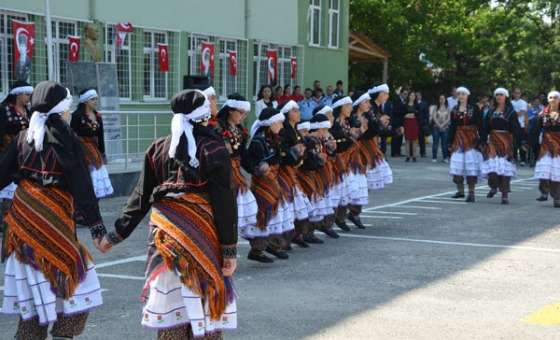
x,y
500,144
239,182
288,182
465,138
268,194
185,237
550,144
42,233
93,157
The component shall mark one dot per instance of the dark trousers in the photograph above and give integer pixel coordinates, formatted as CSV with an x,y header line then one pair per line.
x,y
66,326
501,183
422,142
519,152
383,145
396,144
439,138
550,187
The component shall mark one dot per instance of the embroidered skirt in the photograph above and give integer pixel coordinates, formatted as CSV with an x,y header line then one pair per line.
x,y
548,165
499,155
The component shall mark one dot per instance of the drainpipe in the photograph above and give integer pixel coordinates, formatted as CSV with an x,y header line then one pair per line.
x,y
50,63
247,13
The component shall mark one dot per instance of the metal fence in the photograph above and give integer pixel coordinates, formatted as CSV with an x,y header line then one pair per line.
x,y
138,130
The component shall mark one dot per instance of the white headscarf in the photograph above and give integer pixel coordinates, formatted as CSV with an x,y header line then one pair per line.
x,y
279,117
36,130
181,124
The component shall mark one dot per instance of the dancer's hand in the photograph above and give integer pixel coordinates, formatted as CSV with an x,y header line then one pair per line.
x,y
103,244
229,266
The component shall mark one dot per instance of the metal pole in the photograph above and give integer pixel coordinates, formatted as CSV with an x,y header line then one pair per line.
x,y
49,40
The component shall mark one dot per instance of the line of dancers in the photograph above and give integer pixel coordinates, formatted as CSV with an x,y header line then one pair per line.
x,y
207,182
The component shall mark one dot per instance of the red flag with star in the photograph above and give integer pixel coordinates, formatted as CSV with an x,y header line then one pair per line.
x,y
74,48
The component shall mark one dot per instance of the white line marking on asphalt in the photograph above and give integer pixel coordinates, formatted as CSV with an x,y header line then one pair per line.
x,y
418,207
444,202
123,277
393,213
140,258
453,243
381,217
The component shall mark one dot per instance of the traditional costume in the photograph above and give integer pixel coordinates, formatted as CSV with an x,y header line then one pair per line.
x,y
500,128
547,169
89,127
262,161
12,121
235,139
49,274
186,181
466,159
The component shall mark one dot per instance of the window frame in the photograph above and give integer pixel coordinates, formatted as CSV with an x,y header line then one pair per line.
x,y
333,11
313,6
152,51
111,56
6,61
224,71
57,44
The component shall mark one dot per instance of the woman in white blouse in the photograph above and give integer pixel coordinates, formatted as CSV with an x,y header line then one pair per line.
x,y
265,99
440,118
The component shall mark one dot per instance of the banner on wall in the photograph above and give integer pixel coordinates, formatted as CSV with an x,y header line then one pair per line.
x,y
73,48
207,58
272,65
293,68
24,40
122,29
163,58
232,57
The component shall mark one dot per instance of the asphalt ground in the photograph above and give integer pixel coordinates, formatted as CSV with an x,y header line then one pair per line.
x,y
426,267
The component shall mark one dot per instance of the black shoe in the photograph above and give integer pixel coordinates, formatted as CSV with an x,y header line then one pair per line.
x,y
413,159
342,225
505,201
557,204
330,233
282,255
262,258
300,242
313,239
542,198
407,159
470,198
491,193
357,222
458,195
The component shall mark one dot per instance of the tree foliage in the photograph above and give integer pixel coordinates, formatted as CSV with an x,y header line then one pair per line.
x,y
482,44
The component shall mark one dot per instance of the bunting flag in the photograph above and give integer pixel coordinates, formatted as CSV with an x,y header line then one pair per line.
x,y
293,68
74,48
232,57
121,30
272,64
163,58
24,40
207,59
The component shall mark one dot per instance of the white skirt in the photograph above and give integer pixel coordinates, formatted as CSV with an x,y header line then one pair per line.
x,y
101,182
302,205
317,212
8,191
465,163
274,227
27,293
335,195
247,209
548,168
288,216
380,176
358,188
171,304
499,165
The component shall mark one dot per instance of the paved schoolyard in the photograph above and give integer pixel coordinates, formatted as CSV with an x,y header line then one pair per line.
x,y
427,267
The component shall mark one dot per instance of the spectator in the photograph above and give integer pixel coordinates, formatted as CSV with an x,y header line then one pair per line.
x,y
452,100
307,105
483,106
286,95
534,110
330,96
411,126
316,85
297,96
521,108
440,116
265,99
278,92
318,96
387,109
339,88
423,122
397,119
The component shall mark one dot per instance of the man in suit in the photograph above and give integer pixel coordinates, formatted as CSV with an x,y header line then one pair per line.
x,y
424,115
397,121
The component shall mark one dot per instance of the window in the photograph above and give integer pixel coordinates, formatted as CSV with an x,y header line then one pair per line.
x,y
315,22
60,32
155,82
334,23
260,67
227,84
6,49
122,58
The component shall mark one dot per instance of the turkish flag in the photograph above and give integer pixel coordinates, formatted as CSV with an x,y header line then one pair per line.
x,y
74,48
293,68
272,65
232,56
163,58
24,40
207,58
121,30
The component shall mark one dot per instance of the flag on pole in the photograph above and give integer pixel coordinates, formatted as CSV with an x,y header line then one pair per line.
x,y
207,58
24,41
272,63
74,48
163,58
232,57
293,68
121,31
